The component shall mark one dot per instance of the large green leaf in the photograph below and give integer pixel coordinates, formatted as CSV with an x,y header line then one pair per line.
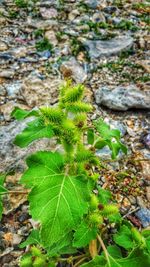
x,y
57,200
2,191
84,235
34,130
20,114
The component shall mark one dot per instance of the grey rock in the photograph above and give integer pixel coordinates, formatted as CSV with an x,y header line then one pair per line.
x,y
144,216
73,68
98,48
11,156
123,98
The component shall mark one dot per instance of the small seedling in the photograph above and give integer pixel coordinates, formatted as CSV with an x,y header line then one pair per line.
x,y
43,45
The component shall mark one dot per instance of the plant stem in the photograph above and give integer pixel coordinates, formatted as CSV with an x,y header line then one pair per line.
x,y
104,249
78,263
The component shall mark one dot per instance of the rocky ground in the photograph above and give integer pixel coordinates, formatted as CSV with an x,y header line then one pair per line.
x,y
101,43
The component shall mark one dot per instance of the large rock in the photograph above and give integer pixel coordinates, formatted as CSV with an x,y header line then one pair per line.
x,y
72,68
37,91
123,98
108,48
11,156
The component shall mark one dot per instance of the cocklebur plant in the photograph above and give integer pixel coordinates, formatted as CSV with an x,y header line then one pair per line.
x,y
73,211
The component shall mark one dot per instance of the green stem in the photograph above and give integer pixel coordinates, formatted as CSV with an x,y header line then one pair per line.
x,y
104,249
78,263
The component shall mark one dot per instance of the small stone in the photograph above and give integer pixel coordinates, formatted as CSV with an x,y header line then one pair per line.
x,y
50,35
48,13
98,17
72,68
13,89
92,3
126,203
3,46
7,74
123,98
148,193
145,169
16,239
146,140
23,217
2,90
132,200
144,216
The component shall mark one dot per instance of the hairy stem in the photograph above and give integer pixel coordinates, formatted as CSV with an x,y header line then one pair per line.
x,y
104,249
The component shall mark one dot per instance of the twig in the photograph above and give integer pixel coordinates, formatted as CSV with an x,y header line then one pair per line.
x,y
14,192
130,212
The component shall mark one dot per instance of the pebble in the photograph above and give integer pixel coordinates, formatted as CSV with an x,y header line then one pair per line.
x,y
3,46
7,74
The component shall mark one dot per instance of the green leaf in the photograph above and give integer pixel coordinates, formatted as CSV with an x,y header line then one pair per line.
x,y
115,218
62,199
90,136
104,196
105,131
100,144
35,130
63,246
98,261
137,258
2,190
114,251
33,238
124,238
84,235
20,114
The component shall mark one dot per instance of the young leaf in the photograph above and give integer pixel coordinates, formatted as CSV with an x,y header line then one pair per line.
x,y
114,251
83,235
90,136
124,238
62,198
98,261
33,238
104,196
35,130
107,138
20,114
2,190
